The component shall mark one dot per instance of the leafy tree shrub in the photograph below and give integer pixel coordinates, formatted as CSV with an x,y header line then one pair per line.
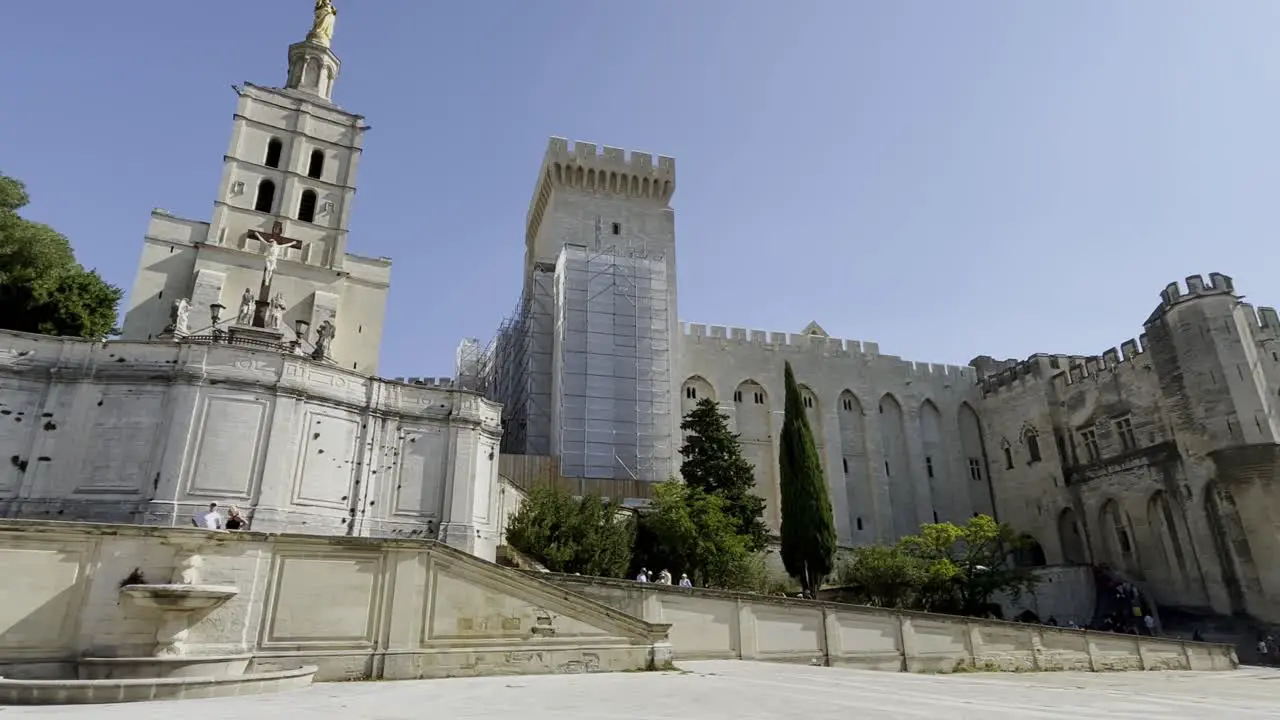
x,y
589,535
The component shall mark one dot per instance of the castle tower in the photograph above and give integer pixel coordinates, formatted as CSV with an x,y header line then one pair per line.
x,y
1213,379
588,366
288,179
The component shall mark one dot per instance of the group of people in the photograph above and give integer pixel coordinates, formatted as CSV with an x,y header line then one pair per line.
x,y
664,578
211,519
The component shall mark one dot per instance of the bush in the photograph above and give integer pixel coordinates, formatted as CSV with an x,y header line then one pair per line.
x,y
590,535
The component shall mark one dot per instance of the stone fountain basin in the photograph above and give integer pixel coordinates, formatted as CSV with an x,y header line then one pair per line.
x,y
180,597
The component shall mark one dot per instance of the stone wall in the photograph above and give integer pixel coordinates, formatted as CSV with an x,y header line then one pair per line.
x,y
152,432
901,442
358,608
708,624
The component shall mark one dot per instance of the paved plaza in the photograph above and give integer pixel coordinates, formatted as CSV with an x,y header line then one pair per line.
x,y
733,690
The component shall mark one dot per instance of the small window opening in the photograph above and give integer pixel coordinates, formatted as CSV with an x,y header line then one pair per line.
x,y
266,198
617,228
1008,458
845,463
848,404
935,516
808,402
975,469
315,167
928,466
759,398
274,149
307,206
886,469
859,523
737,396
691,392
1033,445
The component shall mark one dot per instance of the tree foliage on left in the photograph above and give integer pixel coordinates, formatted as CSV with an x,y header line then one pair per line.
x,y
586,535
42,287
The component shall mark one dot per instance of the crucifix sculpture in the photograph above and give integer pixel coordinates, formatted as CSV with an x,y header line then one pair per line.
x,y
275,246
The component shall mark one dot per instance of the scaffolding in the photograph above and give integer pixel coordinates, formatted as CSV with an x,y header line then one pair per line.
x,y
515,369
613,364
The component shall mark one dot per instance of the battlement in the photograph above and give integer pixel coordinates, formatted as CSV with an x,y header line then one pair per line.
x,y
800,343
435,382
1218,284
609,170
1062,370
1098,368
1263,321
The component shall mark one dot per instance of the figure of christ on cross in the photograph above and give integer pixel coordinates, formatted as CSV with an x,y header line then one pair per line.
x,y
276,244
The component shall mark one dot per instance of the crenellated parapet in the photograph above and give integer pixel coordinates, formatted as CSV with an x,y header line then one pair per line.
x,y
1264,322
1099,368
435,382
1195,287
729,338
601,171
1012,377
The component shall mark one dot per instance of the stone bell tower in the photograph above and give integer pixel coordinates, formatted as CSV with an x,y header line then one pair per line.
x,y
284,200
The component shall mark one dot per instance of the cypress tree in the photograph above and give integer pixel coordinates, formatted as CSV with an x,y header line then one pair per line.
x,y
808,529
713,463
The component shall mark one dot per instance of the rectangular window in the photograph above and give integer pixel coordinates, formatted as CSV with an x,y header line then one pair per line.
x,y
886,469
975,469
691,392
737,396
617,228
759,398
1008,458
1090,440
845,462
928,466
1124,428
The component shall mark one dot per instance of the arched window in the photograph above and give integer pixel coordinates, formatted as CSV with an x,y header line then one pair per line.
x,y
307,206
1033,444
316,166
266,197
274,149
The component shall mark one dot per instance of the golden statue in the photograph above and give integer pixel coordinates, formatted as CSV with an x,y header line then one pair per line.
x,y
322,28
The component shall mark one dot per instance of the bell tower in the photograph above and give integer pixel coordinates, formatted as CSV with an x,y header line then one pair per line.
x,y
285,197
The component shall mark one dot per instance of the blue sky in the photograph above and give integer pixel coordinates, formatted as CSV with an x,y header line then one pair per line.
x,y
945,178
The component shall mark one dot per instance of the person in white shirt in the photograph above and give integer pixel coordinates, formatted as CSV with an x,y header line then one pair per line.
x,y
208,520
664,577
685,581
642,576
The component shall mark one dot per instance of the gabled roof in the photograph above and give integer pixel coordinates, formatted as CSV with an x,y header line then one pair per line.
x,y
814,328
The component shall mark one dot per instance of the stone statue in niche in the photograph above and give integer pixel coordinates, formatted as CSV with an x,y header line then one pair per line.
x,y
179,316
245,314
324,340
275,313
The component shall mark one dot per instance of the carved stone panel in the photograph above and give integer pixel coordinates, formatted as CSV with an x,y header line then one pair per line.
x,y
423,453
122,441
226,446
329,459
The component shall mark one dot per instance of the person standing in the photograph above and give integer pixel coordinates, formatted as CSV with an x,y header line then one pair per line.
x,y
209,519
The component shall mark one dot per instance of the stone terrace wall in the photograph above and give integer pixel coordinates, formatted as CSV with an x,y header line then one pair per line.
x,y
713,624
358,608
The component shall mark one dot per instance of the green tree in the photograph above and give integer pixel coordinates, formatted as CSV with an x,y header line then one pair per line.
x,y
944,568
969,564
688,530
567,535
42,287
808,528
714,464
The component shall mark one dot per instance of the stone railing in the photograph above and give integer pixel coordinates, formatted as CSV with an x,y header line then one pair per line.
x,y
708,624
356,608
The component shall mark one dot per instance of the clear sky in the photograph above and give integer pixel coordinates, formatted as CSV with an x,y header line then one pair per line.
x,y
948,179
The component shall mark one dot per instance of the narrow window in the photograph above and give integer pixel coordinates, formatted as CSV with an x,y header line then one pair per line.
x,y
928,466
315,168
935,516
845,462
886,469
848,404
859,523
1008,458
1033,445
691,392
274,148
737,396
266,197
617,228
307,207
808,402
975,469
759,398
1124,428
1090,440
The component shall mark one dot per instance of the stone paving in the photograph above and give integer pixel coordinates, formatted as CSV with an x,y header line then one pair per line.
x,y
733,690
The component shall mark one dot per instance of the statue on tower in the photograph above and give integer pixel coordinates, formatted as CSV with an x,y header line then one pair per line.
x,y
322,28
275,313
